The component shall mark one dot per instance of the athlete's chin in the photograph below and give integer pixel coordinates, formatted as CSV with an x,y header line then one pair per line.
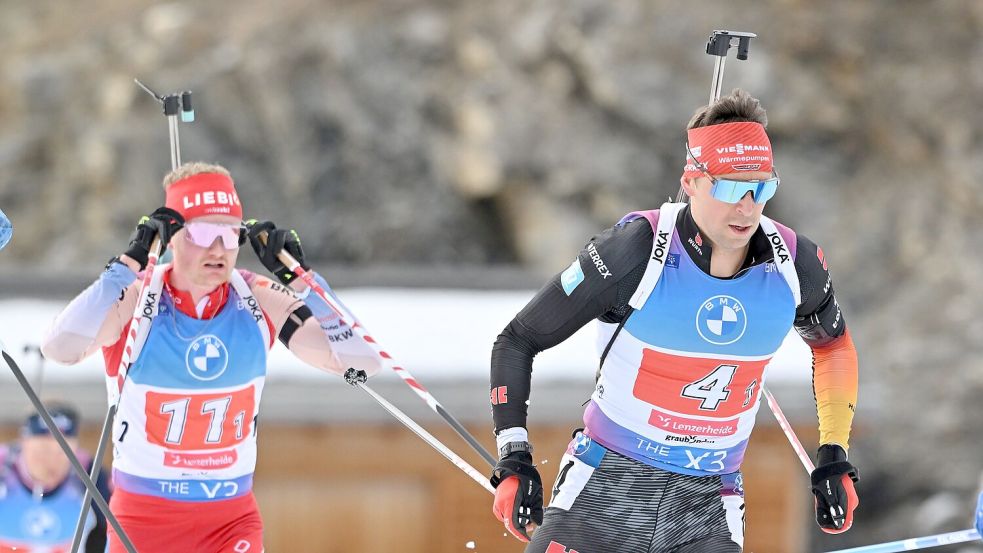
x,y
735,241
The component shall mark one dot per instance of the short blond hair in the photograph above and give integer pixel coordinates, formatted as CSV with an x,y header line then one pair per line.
x,y
194,168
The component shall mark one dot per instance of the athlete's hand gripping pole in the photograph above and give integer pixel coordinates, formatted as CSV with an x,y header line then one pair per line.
x,y
719,43
832,481
357,378
347,318
67,449
518,493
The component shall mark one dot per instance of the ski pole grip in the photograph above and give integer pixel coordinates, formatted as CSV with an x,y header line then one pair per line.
x,y
284,256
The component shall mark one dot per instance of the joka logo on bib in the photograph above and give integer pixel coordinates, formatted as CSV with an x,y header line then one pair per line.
x,y
721,320
206,358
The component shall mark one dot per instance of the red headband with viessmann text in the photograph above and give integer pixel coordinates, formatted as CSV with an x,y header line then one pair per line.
x,y
204,194
728,148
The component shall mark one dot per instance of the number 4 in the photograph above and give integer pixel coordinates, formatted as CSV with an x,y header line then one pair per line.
x,y
712,388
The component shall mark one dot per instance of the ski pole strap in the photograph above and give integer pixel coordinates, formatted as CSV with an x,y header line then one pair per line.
x,y
912,544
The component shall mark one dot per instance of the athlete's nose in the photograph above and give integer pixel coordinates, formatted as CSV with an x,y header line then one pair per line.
x,y
217,245
746,204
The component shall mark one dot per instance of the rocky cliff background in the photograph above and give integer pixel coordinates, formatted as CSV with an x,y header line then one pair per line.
x,y
438,133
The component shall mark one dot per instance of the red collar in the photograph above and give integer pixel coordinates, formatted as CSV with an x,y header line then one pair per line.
x,y
186,304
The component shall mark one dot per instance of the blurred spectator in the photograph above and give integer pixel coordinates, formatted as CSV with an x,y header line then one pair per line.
x,y
40,498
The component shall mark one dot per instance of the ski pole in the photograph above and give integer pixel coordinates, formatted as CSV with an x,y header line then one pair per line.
x,y
900,545
107,427
912,544
361,332
718,45
36,349
73,460
789,433
357,378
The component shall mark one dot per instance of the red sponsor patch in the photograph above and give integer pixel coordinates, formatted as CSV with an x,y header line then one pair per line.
x,y
557,547
500,395
186,422
822,258
662,378
699,240
674,424
201,461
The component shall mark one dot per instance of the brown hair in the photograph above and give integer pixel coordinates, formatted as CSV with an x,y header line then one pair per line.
x,y
738,106
194,168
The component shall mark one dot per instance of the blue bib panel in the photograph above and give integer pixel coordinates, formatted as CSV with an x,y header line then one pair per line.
x,y
190,405
679,388
27,521
189,353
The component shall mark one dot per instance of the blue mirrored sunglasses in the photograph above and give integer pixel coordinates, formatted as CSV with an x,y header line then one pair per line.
x,y
731,191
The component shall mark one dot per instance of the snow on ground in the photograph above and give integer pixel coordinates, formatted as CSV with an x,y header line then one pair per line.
x,y
435,334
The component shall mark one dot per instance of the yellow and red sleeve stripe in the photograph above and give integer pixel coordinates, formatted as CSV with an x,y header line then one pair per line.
x,y
834,383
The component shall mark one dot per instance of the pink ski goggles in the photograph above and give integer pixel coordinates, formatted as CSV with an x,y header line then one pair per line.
x,y
204,234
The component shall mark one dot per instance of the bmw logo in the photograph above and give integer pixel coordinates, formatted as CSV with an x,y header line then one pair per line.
x,y
581,444
721,320
206,358
40,523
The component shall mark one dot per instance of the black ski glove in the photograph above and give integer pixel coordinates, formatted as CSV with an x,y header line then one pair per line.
x,y
164,222
518,493
277,240
832,484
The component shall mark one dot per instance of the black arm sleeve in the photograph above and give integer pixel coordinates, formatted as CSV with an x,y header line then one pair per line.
x,y
818,318
612,262
293,322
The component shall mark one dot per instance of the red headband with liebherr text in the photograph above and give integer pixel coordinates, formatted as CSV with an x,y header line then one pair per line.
x,y
204,194
728,148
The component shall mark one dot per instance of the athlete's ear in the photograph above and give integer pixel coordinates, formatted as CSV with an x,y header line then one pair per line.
x,y
689,186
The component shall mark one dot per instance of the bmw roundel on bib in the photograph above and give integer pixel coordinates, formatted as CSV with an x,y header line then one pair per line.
x,y
721,320
207,357
41,523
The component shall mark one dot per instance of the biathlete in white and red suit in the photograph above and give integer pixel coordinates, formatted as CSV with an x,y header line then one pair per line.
x,y
185,433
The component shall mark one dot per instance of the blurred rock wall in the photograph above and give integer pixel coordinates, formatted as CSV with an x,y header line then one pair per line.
x,y
507,132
